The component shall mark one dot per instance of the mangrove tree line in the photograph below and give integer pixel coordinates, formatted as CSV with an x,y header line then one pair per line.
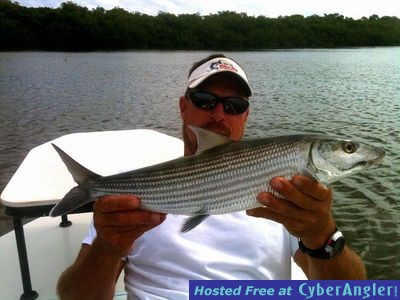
x,y
73,27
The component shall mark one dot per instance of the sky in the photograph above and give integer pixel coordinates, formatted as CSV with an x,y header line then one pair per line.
x,y
271,8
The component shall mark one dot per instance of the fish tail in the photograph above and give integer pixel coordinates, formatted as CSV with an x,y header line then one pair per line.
x,y
78,172
75,198
78,195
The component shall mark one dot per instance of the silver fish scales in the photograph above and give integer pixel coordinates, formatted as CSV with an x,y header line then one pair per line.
x,y
224,176
226,180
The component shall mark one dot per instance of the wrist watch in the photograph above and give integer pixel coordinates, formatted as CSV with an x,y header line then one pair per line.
x,y
332,248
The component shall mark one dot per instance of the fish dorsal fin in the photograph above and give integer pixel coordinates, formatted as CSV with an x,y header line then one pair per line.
x,y
207,139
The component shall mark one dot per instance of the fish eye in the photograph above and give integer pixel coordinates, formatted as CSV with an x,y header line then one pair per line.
x,y
349,147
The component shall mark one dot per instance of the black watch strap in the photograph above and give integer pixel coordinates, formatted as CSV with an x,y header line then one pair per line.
x,y
332,248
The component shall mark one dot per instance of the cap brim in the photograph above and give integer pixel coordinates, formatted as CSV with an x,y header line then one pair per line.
x,y
206,70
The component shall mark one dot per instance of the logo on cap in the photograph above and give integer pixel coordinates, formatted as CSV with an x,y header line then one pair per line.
x,y
218,65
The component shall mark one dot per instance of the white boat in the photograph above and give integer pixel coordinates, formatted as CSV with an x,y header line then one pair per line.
x,y
44,248
51,249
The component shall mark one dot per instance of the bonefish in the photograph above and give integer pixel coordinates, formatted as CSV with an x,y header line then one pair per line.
x,y
223,176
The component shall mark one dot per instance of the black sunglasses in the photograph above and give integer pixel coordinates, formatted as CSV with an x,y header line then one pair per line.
x,y
231,105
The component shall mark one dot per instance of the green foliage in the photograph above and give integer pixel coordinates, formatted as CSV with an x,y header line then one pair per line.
x,y
73,27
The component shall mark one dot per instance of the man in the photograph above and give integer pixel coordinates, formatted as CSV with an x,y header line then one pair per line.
x,y
257,244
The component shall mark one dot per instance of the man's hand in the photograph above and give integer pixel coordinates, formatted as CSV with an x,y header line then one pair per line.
x,y
119,222
305,210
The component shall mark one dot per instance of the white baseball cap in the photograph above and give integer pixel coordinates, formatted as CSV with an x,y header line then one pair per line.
x,y
215,66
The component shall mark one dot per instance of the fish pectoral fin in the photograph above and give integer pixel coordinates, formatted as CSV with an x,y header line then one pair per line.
x,y
192,222
310,174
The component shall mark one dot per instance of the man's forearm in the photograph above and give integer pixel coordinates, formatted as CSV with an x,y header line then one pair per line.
x,y
92,276
347,265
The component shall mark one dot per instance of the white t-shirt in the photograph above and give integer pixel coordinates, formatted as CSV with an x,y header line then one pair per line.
x,y
229,246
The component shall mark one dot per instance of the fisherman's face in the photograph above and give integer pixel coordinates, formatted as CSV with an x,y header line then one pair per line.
x,y
216,119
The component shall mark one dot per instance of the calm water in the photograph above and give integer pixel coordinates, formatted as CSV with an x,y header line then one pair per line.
x,y
350,92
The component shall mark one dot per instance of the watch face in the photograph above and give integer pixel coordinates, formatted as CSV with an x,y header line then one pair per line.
x,y
338,246
335,246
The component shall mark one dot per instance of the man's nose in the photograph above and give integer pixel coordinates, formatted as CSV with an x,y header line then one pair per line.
x,y
218,113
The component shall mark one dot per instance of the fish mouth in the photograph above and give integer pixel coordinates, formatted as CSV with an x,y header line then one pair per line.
x,y
378,159
371,162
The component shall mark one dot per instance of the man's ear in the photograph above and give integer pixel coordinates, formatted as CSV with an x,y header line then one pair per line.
x,y
182,106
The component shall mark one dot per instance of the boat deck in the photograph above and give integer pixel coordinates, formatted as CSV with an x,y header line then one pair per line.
x,y
51,249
